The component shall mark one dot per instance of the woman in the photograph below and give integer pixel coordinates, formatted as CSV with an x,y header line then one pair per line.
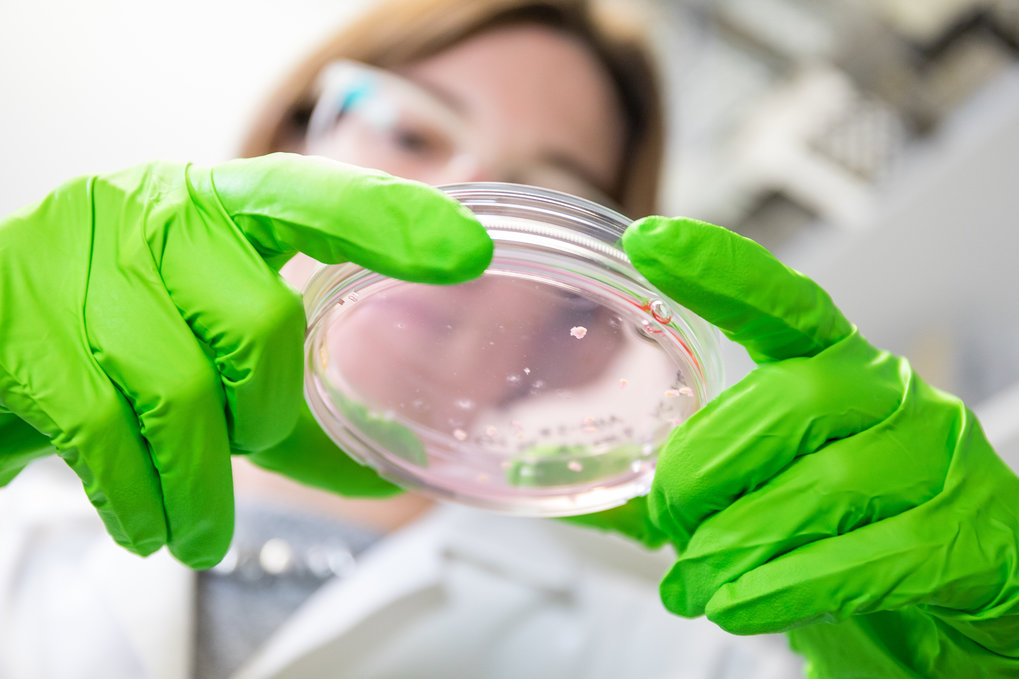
x,y
481,110
515,90
831,493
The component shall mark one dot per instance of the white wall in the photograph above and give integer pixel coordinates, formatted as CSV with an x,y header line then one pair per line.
x,y
92,85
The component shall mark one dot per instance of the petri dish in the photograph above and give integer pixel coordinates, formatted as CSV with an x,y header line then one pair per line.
x,y
545,387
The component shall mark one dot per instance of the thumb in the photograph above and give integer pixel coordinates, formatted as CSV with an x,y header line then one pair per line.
x,y
737,285
334,212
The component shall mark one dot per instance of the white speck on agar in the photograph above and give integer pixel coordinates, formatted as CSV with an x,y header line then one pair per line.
x,y
623,382
459,434
686,391
490,430
574,466
671,393
527,371
578,331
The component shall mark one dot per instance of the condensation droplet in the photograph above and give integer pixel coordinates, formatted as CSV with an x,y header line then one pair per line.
x,y
661,312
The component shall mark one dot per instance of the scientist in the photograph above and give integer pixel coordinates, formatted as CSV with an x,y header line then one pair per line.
x,y
145,335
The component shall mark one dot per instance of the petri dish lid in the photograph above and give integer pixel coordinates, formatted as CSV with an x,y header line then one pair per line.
x,y
545,387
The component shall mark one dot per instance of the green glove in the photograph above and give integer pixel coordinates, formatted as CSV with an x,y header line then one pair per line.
x,y
830,493
144,332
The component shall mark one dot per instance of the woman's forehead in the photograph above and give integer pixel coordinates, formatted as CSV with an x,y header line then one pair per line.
x,y
535,88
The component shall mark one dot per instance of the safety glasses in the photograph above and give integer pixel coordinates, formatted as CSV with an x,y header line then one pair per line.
x,y
373,117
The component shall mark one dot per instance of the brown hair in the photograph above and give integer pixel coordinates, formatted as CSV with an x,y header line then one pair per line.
x,y
399,32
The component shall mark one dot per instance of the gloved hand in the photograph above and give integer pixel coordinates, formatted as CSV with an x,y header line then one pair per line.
x,y
145,333
830,493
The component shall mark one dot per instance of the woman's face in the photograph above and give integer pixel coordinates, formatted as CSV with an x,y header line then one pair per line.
x,y
531,103
520,104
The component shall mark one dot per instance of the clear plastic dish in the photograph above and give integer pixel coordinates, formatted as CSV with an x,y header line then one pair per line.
x,y
543,388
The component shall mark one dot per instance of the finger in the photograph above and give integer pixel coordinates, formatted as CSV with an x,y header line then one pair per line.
x,y
883,566
735,284
249,318
49,378
238,306
844,486
149,352
631,520
334,212
88,421
310,456
179,410
783,411
935,553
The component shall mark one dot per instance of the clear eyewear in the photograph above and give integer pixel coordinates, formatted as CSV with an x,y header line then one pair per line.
x,y
397,126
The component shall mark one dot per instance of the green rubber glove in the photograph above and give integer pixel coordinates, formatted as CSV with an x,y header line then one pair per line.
x,y
145,333
831,493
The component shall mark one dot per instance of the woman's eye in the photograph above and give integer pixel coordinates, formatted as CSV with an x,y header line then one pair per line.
x,y
412,140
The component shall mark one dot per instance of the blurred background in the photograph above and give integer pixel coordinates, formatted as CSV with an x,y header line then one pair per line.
x,y
871,144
